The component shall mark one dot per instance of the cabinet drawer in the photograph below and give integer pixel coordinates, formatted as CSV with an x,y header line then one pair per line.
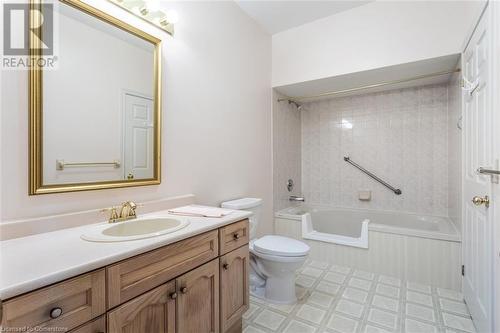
x,y
233,236
95,326
137,275
65,305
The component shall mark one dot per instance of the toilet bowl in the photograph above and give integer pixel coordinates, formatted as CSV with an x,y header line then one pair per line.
x,y
274,260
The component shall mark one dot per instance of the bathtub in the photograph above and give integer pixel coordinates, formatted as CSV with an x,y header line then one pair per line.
x,y
419,248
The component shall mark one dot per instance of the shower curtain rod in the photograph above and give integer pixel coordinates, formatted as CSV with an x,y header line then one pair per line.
x,y
375,85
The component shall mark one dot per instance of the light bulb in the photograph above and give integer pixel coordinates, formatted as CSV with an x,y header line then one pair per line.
x,y
144,11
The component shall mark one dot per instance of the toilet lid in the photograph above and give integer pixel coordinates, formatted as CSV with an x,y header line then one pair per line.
x,y
281,246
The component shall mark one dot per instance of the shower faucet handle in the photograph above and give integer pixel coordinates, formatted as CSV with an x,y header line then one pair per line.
x,y
296,198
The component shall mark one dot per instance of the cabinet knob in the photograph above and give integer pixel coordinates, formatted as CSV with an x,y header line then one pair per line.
x,y
184,290
236,236
225,266
173,295
55,312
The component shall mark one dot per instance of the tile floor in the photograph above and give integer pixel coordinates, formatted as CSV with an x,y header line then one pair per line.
x,y
341,299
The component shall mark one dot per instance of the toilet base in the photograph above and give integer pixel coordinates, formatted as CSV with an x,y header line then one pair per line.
x,y
280,290
260,293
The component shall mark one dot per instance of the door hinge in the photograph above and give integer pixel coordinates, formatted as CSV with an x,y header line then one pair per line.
x,y
463,270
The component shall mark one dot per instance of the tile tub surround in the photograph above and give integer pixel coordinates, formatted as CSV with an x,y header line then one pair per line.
x,y
286,151
64,254
343,299
400,135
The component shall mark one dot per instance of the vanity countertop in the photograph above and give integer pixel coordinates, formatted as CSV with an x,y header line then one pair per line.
x,y
36,261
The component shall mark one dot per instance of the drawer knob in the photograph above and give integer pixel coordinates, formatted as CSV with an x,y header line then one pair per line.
x,y
225,266
55,312
236,236
173,295
184,290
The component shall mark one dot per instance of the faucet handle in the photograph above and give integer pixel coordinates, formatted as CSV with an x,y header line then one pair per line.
x,y
132,205
113,215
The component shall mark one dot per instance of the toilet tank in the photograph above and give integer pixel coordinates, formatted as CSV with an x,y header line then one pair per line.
x,y
249,204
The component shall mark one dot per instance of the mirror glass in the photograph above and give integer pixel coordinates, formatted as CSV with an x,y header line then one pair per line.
x,y
99,121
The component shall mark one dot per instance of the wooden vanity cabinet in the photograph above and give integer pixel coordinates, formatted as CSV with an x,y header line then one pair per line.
x,y
196,285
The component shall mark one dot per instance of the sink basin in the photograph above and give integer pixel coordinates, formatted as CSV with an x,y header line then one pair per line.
x,y
134,229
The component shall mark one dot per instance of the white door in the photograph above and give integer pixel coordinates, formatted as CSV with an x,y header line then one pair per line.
x,y
138,137
477,228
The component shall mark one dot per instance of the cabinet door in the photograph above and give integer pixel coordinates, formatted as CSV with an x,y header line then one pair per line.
x,y
234,296
198,300
153,312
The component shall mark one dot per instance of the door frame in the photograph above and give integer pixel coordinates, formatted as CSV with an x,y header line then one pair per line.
x,y
495,85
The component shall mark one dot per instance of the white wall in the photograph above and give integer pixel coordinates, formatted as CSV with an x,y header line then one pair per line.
x,y
216,118
83,98
375,35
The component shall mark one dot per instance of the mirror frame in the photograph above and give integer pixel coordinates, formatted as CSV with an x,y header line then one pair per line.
x,y
36,185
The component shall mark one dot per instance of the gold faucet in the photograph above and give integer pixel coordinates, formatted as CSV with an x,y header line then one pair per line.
x,y
127,212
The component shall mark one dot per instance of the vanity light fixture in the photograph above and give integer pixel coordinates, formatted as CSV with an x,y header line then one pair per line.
x,y
151,12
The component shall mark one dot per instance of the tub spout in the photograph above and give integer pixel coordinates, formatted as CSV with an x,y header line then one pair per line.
x,y
296,198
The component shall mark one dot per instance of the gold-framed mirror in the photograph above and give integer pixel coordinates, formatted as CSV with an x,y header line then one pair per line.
x,y
95,119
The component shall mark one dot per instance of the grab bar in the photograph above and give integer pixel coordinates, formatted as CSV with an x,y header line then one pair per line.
x,y
396,191
61,164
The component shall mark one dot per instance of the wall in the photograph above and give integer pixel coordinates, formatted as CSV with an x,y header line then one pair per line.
x,y
97,61
216,118
399,135
286,151
375,35
455,151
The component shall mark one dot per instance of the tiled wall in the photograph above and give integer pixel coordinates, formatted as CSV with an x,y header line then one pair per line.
x,y
454,152
407,137
286,151
400,135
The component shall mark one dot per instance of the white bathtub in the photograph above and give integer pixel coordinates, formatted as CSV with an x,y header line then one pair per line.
x,y
418,248
352,223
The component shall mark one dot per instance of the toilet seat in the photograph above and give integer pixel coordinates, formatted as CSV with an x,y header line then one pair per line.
x,y
274,258
279,248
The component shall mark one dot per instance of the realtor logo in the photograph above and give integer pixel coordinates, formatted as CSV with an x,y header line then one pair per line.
x,y
21,23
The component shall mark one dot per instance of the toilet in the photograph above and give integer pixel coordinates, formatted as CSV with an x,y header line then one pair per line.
x,y
273,259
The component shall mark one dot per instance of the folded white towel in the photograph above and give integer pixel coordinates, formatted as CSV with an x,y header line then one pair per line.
x,y
202,211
